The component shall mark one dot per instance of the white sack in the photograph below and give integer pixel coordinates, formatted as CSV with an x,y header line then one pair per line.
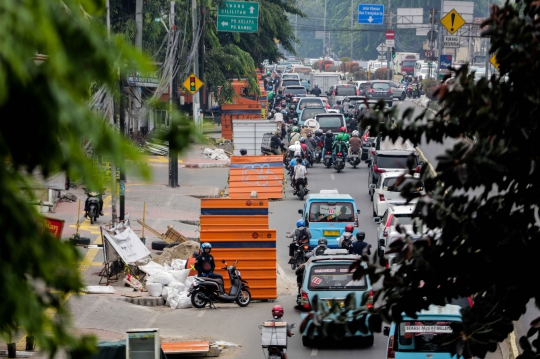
x,y
99,289
152,268
154,289
178,264
180,275
165,292
184,301
164,278
189,281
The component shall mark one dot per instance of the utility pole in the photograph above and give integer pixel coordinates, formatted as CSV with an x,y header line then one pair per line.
x,y
202,52
388,48
352,24
324,38
173,155
296,32
138,44
194,17
122,133
441,29
432,19
487,44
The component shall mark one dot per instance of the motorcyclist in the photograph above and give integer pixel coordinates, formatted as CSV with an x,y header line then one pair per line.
x,y
301,235
322,245
304,147
346,239
279,96
277,314
311,144
204,263
355,143
296,160
294,136
359,246
344,134
99,196
316,90
328,142
300,172
291,114
275,144
339,146
345,105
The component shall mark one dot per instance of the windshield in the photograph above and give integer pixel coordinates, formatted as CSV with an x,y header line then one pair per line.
x,y
423,336
402,219
392,161
331,212
334,277
289,82
346,91
409,63
380,86
290,76
330,121
303,71
311,112
390,184
296,90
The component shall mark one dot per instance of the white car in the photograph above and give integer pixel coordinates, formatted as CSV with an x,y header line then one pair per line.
x,y
388,190
386,231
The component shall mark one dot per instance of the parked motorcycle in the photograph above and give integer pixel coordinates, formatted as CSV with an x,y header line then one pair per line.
x,y
206,290
92,210
328,158
301,189
274,338
354,159
339,164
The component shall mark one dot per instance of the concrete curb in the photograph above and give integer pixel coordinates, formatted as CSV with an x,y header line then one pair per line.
x,y
217,164
143,301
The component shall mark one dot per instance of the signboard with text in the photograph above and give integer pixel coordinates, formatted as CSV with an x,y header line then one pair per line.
x,y
54,226
238,16
370,14
451,41
445,61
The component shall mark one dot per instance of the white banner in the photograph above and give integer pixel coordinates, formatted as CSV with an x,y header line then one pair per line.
x,y
128,245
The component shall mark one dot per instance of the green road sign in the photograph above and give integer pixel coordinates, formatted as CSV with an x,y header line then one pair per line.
x,y
238,16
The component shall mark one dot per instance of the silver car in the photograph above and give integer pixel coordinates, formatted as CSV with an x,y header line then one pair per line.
x,y
398,91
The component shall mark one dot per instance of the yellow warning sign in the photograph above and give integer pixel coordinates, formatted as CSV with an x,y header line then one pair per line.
x,y
452,21
192,84
494,61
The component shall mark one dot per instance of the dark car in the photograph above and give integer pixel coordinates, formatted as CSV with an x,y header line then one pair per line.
x,y
330,121
342,91
297,91
389,161
380,90
290,82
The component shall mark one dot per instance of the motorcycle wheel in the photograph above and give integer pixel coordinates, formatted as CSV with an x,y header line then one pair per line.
x,y
244,298
92,215
354,166
293,264
197,301
301,191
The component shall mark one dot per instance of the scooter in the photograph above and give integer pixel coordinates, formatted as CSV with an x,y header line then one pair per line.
x,y
209,290
93,205
300,255
274,338
318,154
409,91
301,189
327,158
354,159
340,162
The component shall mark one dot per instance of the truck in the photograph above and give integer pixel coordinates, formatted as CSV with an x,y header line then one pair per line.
x,y
405,61
325,80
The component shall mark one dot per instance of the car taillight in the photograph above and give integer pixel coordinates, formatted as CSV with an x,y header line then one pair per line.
x,y
377,169
385,233
418,169
305,301
391,354
390,91
370,299
381,197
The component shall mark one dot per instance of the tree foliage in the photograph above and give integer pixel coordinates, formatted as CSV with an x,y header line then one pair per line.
x,y
484,199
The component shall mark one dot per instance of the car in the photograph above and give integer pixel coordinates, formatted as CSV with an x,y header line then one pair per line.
x,y
339,92
309,112
397,90
290,76
309,101
330,121
379,90
289,82
325,100
424,336
328,277
297,91
386,231
388,188
363,87
327,213
393,160
305,83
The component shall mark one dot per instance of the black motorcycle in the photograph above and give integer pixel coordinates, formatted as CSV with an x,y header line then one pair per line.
x,y
327,158
354,159
301,189
209,290
339,164
92,210
300,255
309,159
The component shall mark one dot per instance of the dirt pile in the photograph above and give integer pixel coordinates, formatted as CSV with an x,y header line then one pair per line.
x,y
181,251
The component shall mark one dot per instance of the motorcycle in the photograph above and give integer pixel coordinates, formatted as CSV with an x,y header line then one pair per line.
x,y
309,159
301,191
318,154
300,255
209,290
93,205
327,158
415,93
274,338
354,159
409,91
340,163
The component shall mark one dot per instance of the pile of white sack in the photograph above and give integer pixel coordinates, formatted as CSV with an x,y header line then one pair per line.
x,y
216,154
170,282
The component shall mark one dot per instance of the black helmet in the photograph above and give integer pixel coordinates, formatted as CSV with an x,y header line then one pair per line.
x,y
329,133
293,107
243,151
318,133
360,235
302,140
322,242
309,134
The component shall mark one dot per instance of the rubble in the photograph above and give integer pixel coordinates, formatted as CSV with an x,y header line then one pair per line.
x,y
217,154
181,251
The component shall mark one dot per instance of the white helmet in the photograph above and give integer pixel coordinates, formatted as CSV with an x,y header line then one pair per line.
x,y
355,133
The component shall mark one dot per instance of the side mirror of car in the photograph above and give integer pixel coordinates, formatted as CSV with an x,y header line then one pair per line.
x,y
301,211
377,219
386,331
372,186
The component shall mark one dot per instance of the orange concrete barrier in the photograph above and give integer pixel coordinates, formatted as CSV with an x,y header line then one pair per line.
x,y
246,203
216,220
263,174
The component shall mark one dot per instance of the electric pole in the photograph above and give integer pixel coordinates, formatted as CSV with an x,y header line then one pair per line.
x,y
195,97
173,155
122,133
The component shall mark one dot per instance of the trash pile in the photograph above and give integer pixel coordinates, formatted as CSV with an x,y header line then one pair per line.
x,y
181,251
170,282
216,154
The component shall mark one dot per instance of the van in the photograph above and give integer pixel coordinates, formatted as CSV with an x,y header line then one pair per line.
x,y
424,336
327,214
418,67
302,71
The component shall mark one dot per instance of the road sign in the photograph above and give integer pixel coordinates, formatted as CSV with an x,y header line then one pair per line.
x,y
390,43
494,61
192,84
445,61
370,14
451,41
428,53
432,35
381,47
238,16
390,34
452,21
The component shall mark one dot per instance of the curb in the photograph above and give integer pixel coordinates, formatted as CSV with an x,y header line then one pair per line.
x,y
146,301
207,165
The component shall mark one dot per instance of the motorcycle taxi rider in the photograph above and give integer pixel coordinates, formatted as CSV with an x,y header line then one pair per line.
x,y
277,313
204,263
299,235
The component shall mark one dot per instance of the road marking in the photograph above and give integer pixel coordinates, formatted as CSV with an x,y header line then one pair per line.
x,y
513,344
423,157
332,176
201,313
314,352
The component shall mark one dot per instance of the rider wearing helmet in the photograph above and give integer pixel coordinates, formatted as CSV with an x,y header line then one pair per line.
x,y
322,245
316,90
304,146
345,105
355,144
204,263
329,141
290,115
339,146
359,246
311,144
294,136
277,315
301,235
344,134
346,238
243,152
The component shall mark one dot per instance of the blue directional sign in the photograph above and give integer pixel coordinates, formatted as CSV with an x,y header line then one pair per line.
x,y
445,61
371,14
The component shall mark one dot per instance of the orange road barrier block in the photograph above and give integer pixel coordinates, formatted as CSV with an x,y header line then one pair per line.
x,y
263,174
240,221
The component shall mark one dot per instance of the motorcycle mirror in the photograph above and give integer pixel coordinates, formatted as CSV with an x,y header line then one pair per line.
x,y
223,261
386,331
293,325
301,211
358,211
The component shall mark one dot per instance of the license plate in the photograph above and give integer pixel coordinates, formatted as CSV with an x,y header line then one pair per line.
x,y
341,302
331,233
339,159
327,156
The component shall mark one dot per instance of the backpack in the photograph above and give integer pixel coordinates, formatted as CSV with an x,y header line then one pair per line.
x,y
347,241
319,251
303,235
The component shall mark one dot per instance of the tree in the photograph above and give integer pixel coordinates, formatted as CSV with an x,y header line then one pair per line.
x,y
45,120
483,202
